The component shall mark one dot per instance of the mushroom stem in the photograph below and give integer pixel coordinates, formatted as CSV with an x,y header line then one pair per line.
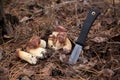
x,y
26,56
42,43
38,52
68,46
51,41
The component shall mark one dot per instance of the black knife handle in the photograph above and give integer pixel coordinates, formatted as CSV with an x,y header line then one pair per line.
x,y
92,15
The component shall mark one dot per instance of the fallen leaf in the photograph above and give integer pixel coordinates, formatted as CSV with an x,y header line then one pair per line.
x,y
115,1
27,72
62,57
24,19
109,12
86,47
56,72
109,21
107,72
99,39
83,60
92,63
85,2
3,74
24,77
81,66
118,22
46,71
2,54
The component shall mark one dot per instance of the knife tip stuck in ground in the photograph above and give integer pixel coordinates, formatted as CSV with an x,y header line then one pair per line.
x,y
92,15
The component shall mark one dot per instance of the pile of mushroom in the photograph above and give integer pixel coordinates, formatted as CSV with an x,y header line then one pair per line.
x,y
35,49
59,40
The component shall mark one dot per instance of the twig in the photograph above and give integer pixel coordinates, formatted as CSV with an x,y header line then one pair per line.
x,y
98,56
113,42
117,68
113,3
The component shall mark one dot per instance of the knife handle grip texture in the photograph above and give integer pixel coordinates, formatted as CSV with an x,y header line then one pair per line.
x,y
92,15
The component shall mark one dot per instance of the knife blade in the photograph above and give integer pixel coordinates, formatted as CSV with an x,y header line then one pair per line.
x,y
92,15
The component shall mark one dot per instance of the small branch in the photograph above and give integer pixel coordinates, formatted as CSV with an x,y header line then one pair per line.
x,y
113,42
113,3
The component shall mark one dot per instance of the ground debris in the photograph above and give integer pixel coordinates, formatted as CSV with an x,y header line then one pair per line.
x,y
99,39
101,55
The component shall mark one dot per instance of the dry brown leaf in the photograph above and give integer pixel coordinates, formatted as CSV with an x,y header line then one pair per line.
x,y
24,19
1,56
118,22
92,64
86,47
28,72
83,60
23,77
62,57
3,74
86,65
109,21
109,12
81,66
96,28
45,72
107,72
115,1
99,39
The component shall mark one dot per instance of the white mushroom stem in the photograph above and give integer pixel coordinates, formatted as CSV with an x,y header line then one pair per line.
x,y
58,45
42,43
68,46
51,42
55,33
26,56
38,52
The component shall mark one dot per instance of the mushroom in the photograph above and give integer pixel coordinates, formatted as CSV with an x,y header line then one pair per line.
x,y
34,42
38,52
68,46
42,43
26,56
36,47
52,41
63,42
59,40
60,29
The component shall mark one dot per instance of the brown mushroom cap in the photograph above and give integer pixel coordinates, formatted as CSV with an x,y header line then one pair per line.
x,y
62,36
17,52
34,42
60,29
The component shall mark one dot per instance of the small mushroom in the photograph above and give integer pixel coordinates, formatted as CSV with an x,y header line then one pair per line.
x,y
35,42
59,40
51,41
36,47
26,56
60,29
68,46
38,52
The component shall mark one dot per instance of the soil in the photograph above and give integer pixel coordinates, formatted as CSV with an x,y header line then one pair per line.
x,y
100,59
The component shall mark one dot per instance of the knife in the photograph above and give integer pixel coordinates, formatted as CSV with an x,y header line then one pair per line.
x,y
92,15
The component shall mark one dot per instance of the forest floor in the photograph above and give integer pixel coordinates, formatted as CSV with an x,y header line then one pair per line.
x,y
101,56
